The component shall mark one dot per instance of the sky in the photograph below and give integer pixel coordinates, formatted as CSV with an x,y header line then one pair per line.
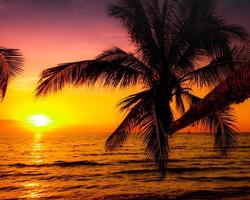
x,y
49,32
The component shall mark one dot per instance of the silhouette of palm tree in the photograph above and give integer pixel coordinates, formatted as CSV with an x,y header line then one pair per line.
x,y
11,62
233,90
172,39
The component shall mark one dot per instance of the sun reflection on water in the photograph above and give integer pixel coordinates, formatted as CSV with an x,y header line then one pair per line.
x,y
37,148
33,188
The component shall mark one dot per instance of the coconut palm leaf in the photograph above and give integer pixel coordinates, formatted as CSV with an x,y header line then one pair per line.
x,y
143,119
132,16
222,126
220,123
120,135
192,39
207,24
127,59
219,68
128,102
179,92
11,63
192,29
188,60
241,54
213,73
109,73
157,18
139,115
156,144
236,33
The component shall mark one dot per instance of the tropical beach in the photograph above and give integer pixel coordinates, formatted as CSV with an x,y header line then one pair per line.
x,y
124,99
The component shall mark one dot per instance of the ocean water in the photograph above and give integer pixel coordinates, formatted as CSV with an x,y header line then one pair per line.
x,y
73,166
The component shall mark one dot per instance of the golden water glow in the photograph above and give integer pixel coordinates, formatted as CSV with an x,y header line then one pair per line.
x,y
32,190
36,149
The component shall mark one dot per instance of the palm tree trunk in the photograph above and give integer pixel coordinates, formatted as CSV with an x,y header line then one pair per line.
x,y
235,89
157,129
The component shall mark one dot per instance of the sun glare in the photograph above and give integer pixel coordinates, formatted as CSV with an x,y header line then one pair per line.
x,y
39,120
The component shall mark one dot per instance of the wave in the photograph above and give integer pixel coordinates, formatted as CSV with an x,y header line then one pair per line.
x,y
58,164
219,194
223,193
76,163
199,169
177,170
121,153
137,171
219,178
9,188
83,163
134,161
146,161
22,175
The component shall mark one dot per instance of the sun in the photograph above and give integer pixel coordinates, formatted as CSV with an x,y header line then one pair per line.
x,y
39,120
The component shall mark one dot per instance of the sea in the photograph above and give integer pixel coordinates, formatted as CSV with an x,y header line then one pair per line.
x,y
76,166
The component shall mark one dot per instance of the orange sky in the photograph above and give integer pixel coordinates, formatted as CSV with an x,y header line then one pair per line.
x,y
48,36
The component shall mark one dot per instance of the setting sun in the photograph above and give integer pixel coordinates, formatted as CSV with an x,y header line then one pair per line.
x,y
39,120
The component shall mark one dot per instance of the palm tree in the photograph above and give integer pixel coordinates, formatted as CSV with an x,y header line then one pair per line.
x,y
11,62
172,40
235,89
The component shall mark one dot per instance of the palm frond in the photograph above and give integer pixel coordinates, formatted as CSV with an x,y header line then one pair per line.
x,y
128,102
109,73
219,68
155,17
179,92
144,119
241,54
187,60
127,59
133,17
236,34
137,118
203,31
193,16
171,19
221,125
206,28
55,78
11,64
212,74
156,141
